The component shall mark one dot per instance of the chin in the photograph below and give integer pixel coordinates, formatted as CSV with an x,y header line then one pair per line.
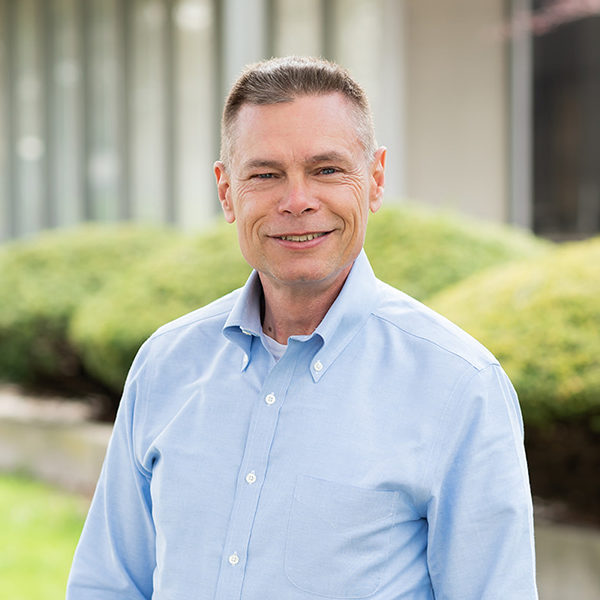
x,y
302,277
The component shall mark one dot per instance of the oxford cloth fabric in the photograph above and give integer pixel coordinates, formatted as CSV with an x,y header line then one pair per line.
x,y
381,457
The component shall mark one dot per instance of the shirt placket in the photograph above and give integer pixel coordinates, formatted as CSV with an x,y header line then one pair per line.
x,y
251,478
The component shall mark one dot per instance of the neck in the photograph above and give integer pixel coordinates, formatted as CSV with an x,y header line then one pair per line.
x,y
296,310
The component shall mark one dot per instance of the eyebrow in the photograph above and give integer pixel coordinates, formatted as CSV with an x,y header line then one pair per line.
x,y
332,156
263,163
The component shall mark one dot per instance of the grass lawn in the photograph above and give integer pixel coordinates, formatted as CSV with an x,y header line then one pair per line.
x,y
39,529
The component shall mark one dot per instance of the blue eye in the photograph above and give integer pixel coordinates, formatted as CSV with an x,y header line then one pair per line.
x,y
264,176
328,171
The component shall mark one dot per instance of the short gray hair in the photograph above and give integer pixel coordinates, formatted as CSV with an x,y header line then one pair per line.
x,y
284,79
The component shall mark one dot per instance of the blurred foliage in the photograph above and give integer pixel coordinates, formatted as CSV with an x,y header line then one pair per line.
x,y
541,318
109,328
43,280
422,252
79,303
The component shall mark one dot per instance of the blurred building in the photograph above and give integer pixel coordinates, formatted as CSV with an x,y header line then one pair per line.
x,y
109,109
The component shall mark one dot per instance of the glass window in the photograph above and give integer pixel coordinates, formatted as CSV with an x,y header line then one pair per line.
x,y
567,129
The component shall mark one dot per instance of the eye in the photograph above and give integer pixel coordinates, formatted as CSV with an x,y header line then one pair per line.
x,y
264,176
327,170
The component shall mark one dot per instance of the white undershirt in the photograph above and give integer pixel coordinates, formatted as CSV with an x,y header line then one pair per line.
x,y
274,347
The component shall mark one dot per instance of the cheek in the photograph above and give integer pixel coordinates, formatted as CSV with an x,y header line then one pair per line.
x,y
248,229
354,205
357,187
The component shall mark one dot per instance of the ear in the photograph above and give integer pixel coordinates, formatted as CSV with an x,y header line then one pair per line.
x,y
224,191
377,179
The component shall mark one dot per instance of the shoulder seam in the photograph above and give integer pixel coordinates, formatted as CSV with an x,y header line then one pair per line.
x,y
433,343
158,333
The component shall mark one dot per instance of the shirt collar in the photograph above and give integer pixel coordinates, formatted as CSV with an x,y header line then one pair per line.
x,y
343,320
243,322
346,316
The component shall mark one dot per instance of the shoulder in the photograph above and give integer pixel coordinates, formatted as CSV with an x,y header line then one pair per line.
x,y
169,349
205,321
432,332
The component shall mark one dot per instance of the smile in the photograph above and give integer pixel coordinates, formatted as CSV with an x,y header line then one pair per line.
x,y
301,238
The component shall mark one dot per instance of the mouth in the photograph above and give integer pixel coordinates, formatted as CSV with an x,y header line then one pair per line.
x,y
304,237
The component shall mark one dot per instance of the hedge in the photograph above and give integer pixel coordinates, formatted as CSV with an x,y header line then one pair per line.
x,y
109,328
541,318
412,249
422,252
42,282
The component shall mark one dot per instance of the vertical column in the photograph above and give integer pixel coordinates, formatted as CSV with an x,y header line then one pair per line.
x,y
45,9
329,29
104,167
84,17
28,116
298,28
220,88
373,49
271,19
123,103
148,114
244,28
521,119
64,73
7,121
390,111
170,104
196,114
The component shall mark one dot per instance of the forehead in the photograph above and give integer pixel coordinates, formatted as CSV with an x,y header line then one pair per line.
x,y
307,124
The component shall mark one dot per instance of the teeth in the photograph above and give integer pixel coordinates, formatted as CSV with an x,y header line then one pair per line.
x,y
301,238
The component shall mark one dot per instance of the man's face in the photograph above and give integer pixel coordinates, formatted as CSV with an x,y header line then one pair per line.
x,y
299,187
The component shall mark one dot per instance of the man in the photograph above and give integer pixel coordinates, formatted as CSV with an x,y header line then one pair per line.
x,y
317,433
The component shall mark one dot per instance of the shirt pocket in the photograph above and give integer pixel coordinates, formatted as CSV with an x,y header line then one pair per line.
x,y
338,538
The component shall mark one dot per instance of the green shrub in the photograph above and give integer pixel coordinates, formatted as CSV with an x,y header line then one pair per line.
x,y
412,249
43,280
541,318
422,252
109,328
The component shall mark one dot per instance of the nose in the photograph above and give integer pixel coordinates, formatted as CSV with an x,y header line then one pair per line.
x,y
298,199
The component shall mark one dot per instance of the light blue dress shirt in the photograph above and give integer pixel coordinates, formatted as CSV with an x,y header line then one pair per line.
x,y
380,458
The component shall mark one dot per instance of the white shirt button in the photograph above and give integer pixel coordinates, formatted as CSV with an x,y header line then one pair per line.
x,y
270,398
318,366
251,477
234,559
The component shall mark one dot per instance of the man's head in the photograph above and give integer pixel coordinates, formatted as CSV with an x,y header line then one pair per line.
x,y
301,174
284,79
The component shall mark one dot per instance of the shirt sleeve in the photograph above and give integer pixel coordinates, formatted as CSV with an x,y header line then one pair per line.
x,y
115,557
480,517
